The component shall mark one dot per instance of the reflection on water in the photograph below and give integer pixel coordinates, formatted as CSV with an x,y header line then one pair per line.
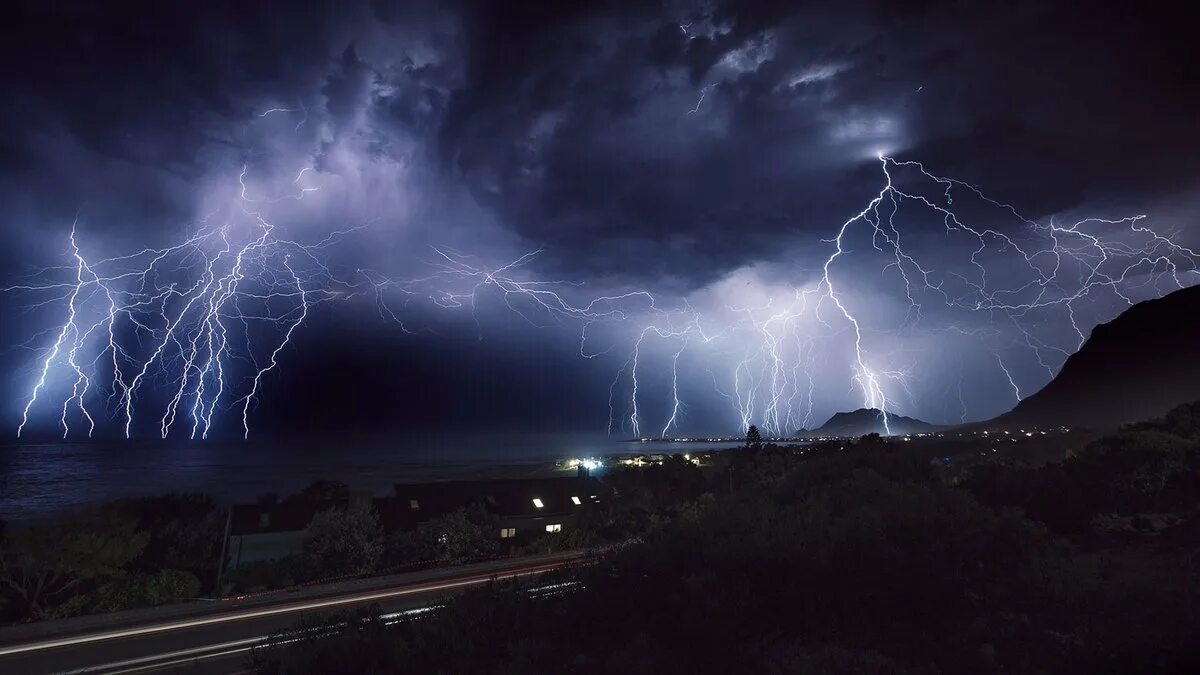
x,y
37,480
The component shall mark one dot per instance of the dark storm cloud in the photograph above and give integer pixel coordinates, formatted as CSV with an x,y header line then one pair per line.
x,y
166,92
573,124
169,72
699,149
139,116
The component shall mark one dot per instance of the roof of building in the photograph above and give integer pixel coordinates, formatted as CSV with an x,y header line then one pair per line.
x,y
506,498
287,516
415,503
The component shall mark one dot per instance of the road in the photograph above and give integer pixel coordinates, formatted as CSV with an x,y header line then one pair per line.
x,y
218,637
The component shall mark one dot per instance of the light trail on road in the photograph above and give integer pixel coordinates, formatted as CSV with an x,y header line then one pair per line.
x,y
292,608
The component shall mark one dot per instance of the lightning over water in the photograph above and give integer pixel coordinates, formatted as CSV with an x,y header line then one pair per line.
x,y
186,338
181,333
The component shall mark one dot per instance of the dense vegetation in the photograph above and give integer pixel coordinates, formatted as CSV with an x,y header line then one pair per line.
x,y
129,553
876,558
348,541
139,553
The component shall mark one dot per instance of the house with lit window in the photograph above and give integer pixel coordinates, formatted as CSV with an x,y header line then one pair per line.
x,y
523,508
272,529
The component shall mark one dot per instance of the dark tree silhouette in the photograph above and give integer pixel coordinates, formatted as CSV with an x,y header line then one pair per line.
x,y
753,438
343,541
44,564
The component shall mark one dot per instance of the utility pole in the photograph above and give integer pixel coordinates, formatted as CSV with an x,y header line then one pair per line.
x,y
224,550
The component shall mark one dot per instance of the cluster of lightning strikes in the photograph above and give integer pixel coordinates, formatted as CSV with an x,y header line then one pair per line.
x,y
183,334
192,328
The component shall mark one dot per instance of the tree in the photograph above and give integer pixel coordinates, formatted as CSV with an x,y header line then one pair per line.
x,y
323,491
185,531
461,534
343,541
872,440
130,591
43,564
753,438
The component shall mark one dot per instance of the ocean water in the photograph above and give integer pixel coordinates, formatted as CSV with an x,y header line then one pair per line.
x,y
38,480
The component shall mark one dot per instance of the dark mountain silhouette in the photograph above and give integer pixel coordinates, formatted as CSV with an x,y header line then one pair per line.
x,y
1135,367
867,421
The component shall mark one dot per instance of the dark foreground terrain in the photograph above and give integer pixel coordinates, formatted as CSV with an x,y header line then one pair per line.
x,y
1020,552
1137,366
878,557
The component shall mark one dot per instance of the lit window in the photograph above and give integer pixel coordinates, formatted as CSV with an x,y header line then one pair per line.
x,y
414,504
508,532
575,500
537,502
556,527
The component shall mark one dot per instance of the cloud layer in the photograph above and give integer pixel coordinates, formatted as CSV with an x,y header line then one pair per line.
x,y
703,152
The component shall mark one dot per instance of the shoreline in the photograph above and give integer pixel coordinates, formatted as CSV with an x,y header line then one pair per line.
x,y
47,480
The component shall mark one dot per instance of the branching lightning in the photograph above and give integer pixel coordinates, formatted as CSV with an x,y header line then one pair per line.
x,y
195,330
169,327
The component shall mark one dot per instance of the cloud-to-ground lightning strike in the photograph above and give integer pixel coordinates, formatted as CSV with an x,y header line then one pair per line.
x,y
1008,375
193,329
170,326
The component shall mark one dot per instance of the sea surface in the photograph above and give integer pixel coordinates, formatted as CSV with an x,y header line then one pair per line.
x,y
39,480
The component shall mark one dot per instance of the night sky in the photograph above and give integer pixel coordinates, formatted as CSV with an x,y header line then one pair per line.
x,y
694,160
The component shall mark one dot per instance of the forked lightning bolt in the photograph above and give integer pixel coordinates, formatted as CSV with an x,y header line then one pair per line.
x,y
177,328
193,330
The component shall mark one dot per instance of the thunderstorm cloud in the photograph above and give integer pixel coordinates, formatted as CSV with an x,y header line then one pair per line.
x,y
704,154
